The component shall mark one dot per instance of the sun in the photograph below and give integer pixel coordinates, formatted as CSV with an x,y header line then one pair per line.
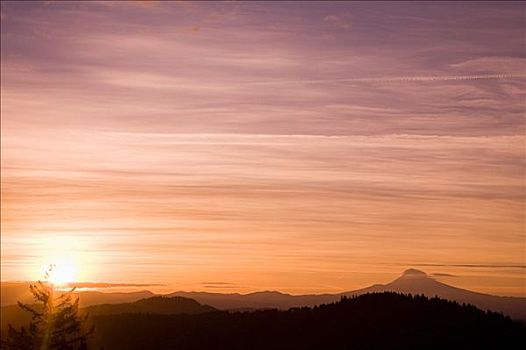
x,y
63,259
61,272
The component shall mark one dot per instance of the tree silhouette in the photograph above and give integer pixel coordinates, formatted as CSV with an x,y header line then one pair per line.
x,y
56,323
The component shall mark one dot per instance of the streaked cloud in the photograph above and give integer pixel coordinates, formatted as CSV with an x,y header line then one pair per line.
x,y
485,266
220,285
341,21
273,143
439,274
100,285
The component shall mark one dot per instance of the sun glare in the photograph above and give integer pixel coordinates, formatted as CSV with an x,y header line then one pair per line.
x,y
61,272
63,259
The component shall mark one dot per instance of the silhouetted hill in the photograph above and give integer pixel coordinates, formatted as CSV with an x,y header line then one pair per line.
x,y
258,300
414,282
88,298
370,321
410,282
14,315
156,305
11,292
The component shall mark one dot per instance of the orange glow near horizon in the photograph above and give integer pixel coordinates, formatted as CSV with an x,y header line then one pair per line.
x,y
62,258
248,146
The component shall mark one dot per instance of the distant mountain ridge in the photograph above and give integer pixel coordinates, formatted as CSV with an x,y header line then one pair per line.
x,y
159,305
411,281
414,282
11,292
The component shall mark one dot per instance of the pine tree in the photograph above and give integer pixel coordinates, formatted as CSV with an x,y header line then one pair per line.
x,y
56,323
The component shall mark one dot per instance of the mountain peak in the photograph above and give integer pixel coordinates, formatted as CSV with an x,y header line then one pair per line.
x,y
414,273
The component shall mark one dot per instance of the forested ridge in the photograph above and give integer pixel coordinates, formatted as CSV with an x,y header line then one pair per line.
x,y
371,321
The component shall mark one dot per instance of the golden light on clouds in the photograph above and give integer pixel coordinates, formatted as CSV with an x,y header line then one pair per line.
x,y
272,149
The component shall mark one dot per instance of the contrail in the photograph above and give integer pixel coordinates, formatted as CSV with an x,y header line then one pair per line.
x,y
399,79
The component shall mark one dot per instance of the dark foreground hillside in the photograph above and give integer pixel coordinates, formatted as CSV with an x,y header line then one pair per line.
x,y
371,321
155,305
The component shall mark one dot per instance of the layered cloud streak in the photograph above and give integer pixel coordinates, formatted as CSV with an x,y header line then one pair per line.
x,y
270,142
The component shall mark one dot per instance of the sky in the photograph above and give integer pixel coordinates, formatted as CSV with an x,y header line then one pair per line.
x,y
305,147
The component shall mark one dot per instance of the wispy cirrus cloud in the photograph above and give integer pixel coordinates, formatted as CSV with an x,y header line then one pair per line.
x,y
485,266
220,285
441,274
341,21
103,285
